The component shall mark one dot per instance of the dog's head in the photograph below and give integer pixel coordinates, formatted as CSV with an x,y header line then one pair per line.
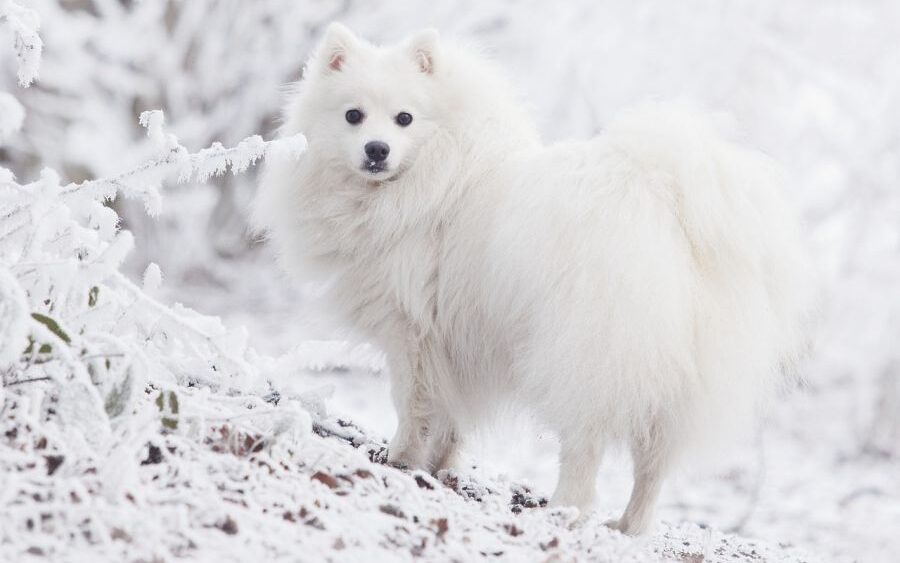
x,y
371,108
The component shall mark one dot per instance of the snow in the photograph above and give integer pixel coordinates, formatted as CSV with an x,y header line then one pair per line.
x,y
134,427
152,278
12,114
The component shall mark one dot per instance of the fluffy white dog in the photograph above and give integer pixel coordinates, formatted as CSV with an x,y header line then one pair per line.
x,y
645,287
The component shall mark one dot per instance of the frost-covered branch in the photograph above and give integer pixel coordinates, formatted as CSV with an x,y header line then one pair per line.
x,y
143,182
27,44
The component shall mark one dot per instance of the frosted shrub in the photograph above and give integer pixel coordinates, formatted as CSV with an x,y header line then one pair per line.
x,y
71,318
93,368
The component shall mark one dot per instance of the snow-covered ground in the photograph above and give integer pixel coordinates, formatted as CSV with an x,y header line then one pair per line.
x,y
251,481
134,429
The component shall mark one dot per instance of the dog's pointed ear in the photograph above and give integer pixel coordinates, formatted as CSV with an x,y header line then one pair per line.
x,y
338,42
423,47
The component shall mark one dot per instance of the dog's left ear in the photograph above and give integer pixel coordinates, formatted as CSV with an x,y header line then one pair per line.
x,y
423,47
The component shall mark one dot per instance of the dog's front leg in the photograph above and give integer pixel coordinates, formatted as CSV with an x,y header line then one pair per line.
x,y
444,444
408,447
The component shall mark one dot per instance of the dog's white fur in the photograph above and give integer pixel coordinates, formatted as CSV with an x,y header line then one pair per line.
x,y
644,287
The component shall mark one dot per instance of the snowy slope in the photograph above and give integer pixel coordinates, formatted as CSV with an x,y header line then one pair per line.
x,y
242,479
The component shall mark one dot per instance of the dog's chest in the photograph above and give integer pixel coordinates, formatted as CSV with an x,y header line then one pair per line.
x,y
390,283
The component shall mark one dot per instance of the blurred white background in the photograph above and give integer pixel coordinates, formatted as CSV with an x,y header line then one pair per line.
x,y
814,83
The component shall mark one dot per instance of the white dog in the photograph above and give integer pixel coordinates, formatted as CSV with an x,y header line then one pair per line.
x,y
644,287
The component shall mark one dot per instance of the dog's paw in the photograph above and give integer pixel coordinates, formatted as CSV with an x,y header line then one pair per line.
x,y
401,464
623,527
613,524
403,460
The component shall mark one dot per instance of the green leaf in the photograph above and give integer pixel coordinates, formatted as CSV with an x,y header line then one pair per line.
x,y
169,409
42,349
92,296
173,402
52,326
118,398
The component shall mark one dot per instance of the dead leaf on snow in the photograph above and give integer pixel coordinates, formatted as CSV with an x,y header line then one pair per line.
x,y
392,510
229,526
53,463
326,479
442,527
552,544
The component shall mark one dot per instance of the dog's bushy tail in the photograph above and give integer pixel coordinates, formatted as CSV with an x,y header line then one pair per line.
x,y
753,280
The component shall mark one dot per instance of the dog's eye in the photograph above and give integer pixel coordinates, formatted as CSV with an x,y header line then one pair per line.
x,y
403,119
353,116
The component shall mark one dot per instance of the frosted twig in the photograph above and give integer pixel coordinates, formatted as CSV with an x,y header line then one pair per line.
x,y
23,381
26,41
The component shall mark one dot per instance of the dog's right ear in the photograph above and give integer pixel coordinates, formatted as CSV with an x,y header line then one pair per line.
x,y
338,42
423,48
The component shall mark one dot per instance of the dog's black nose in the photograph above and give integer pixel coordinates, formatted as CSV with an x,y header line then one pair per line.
x,y
377,151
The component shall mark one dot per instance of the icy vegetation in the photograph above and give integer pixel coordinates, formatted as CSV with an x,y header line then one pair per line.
x,y
134,428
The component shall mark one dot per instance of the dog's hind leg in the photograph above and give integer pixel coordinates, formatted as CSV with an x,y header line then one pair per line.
x,y
651,461
579,459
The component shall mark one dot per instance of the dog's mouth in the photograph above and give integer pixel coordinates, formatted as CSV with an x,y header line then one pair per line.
x,y
378,172
374,166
